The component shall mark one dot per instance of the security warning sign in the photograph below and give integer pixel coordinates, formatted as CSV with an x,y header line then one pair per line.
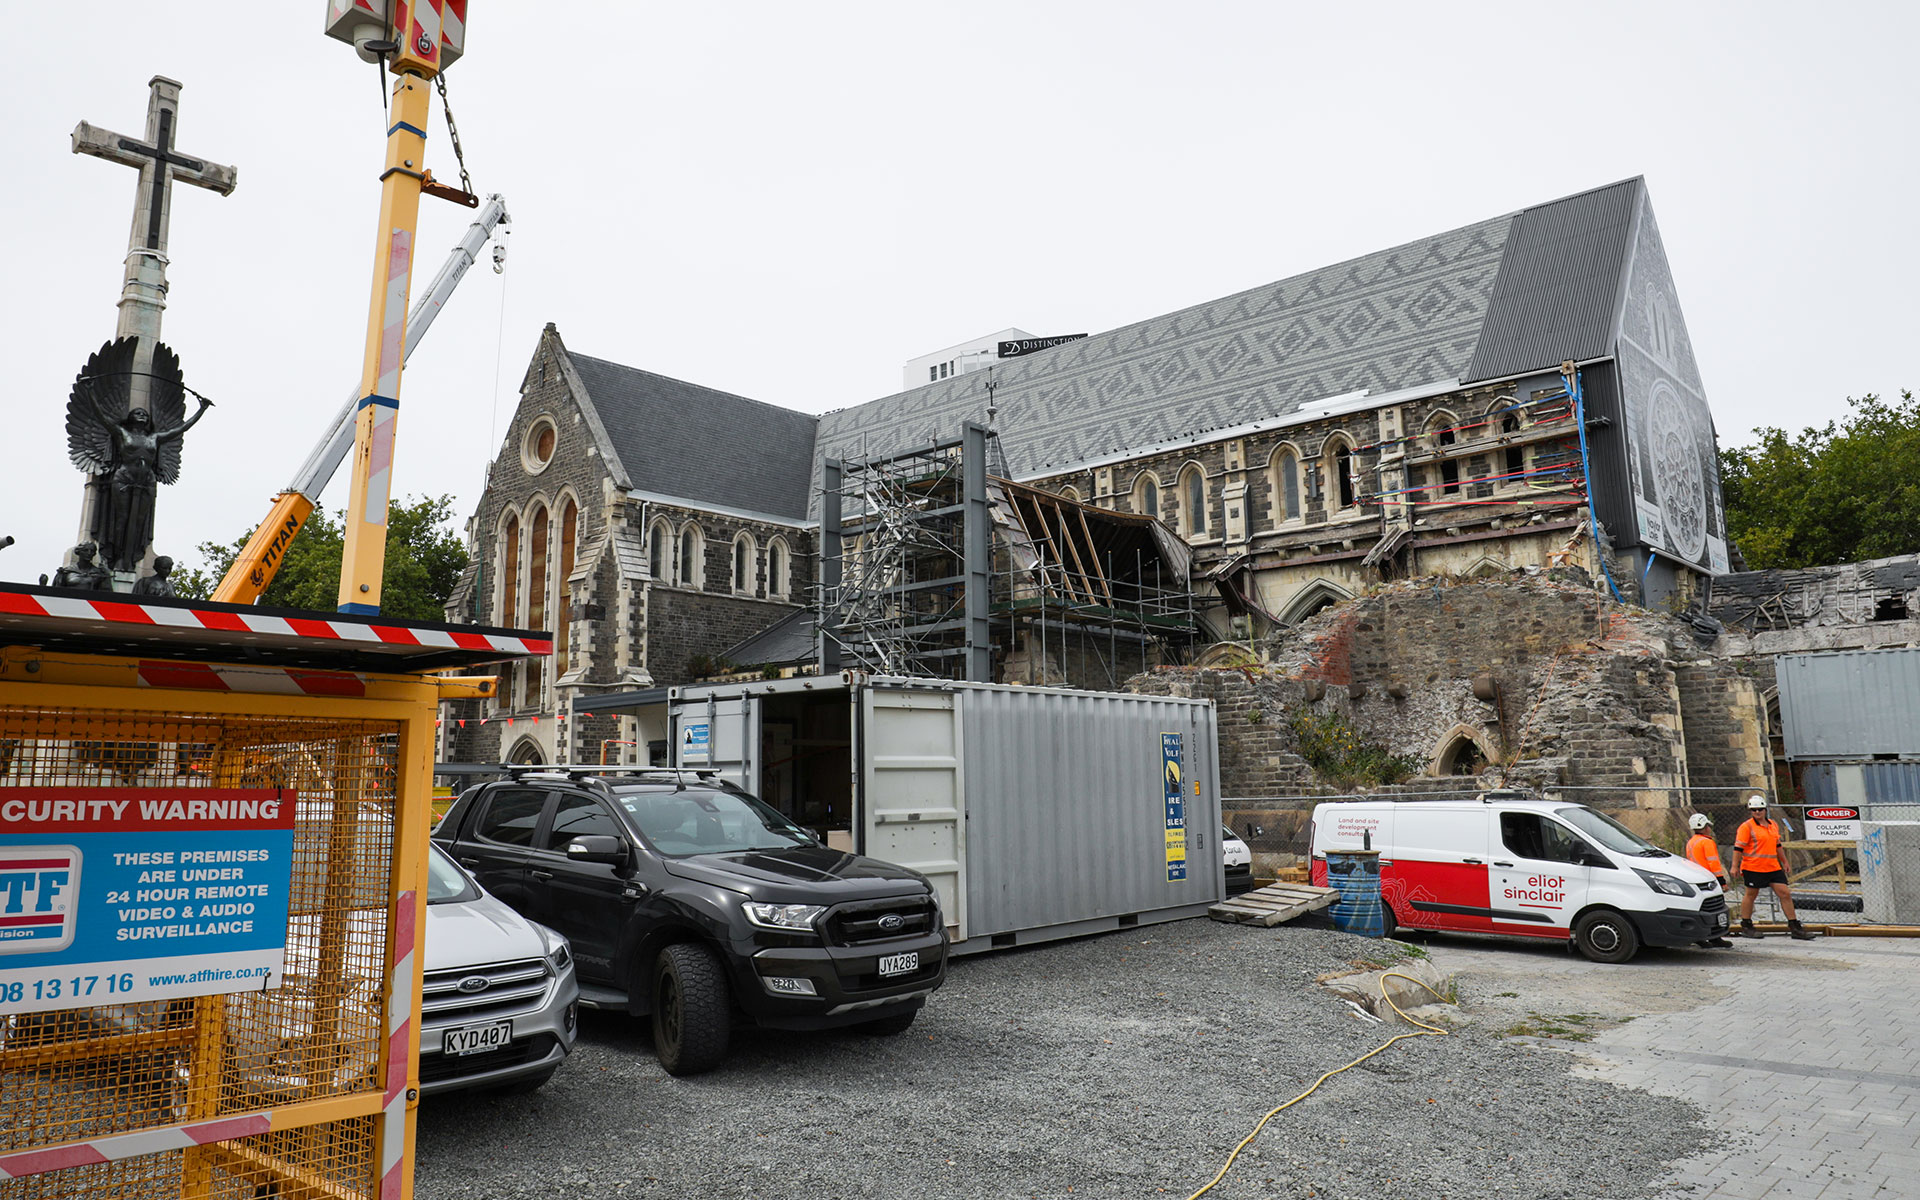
x,y
114,895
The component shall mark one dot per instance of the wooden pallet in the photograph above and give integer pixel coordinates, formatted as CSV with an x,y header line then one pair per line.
x,y
1273,904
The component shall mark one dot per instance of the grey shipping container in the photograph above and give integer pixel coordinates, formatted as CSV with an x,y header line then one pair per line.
x,y
1038,813
1850,704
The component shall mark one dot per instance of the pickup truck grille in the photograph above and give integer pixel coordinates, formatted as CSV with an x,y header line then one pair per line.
x,y
511,987
861,921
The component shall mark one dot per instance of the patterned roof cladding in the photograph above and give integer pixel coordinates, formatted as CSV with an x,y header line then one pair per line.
x,y
1393,319
702,445
1559,283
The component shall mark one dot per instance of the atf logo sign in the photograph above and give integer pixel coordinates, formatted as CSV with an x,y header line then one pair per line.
x,y
38,886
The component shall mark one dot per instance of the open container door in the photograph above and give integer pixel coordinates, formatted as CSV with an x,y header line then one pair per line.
x,y
721,734
912,794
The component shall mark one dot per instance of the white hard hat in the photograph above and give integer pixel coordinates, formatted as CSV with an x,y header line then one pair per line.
x,y
1756,801
1699,821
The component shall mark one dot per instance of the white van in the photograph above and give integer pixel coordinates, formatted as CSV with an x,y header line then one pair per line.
x,y
1508,864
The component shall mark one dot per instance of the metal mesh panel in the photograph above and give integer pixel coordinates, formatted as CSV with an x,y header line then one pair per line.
x,y
89,1072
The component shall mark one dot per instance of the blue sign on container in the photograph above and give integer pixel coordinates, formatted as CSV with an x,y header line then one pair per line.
x,y
1174,773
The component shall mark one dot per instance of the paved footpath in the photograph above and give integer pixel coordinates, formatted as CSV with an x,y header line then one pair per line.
x,y
1806,1053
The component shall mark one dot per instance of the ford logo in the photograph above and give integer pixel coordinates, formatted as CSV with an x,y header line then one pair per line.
x,y
475,983
892,922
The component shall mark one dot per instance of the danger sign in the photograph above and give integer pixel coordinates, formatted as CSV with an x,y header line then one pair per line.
x,y
1833,823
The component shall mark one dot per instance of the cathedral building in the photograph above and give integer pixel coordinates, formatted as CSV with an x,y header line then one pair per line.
x,y
1519,392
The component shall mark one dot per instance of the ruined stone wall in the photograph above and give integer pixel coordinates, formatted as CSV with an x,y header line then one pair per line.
x,y
1557,688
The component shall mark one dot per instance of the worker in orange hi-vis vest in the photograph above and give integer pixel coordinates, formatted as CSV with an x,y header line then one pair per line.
x,y
1756,855
1703,852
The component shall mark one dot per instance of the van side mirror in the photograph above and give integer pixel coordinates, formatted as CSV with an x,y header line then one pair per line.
x,y
597,848
1589,857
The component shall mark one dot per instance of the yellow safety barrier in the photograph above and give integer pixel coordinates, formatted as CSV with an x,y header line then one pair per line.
x,y
302,1087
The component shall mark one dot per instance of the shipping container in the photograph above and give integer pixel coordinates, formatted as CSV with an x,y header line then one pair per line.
x,y
1850,704
1038,813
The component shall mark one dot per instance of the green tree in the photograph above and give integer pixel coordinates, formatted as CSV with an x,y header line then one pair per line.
x,y
424,561
1842,493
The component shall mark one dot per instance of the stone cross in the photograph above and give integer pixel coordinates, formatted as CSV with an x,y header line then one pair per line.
x,y
143,290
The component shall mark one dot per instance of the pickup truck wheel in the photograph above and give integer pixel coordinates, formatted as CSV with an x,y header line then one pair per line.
x,y
1606,937
692,1018
888,1026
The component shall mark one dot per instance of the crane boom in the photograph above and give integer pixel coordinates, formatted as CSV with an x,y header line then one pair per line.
x,y
260,561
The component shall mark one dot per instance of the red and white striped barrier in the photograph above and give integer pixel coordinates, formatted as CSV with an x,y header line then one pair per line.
x,y
282,681
393,1116
131,1145
128,612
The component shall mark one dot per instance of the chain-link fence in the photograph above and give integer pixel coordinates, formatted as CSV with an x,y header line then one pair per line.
x,y
269,1092
1845,863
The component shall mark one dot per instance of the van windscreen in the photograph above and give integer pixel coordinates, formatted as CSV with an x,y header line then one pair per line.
x,y
1609,832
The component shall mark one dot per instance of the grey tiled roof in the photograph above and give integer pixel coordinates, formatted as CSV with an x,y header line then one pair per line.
x,y
703,445
1404,317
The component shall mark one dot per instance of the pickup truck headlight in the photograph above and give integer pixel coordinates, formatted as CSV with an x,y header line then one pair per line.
x,y
787,918
1665,884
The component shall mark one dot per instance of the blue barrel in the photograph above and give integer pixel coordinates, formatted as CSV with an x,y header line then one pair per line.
x,y
1356,873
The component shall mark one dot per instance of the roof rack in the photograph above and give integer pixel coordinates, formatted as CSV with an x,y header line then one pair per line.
x,y
585,772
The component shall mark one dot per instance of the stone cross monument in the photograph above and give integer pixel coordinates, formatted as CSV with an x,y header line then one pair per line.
x,y
143,291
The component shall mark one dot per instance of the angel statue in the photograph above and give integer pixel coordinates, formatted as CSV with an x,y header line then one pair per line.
x,y
127,452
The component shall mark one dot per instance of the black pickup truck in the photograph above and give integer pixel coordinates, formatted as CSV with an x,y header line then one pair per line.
x,y
686,898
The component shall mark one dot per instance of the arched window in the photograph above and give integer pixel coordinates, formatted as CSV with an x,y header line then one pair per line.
x,y
537,569
1285,482
745,559
1146,494
1342,491
509,614
1070,493
1440,429
692,550
1516,456
660,552
1193,501
569,538
777,569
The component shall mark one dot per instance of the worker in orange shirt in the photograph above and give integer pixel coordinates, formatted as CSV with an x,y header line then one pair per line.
x,y
1756,855
1704,853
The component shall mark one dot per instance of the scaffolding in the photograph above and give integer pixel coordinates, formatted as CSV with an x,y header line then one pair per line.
x,y
932,567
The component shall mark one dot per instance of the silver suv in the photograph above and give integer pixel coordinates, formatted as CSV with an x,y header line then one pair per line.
x,y
499,1005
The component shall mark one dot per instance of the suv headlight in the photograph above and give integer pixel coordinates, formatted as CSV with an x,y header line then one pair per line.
x,y
558,956
1665,884
787,918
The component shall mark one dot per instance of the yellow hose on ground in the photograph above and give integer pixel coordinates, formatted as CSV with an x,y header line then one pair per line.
x,y
1426,1030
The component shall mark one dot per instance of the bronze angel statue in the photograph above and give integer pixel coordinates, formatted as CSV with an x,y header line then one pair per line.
x,y
127,452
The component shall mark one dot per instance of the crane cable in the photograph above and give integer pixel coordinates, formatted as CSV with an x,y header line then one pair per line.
x,y
1425,1030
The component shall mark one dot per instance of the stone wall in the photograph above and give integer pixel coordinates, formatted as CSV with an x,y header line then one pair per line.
x,y
1557,688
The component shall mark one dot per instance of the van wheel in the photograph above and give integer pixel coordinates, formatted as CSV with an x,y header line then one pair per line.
x,y
692,1019
1389,928
1606,937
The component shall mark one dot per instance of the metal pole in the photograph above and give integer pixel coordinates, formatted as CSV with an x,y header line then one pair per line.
x,y
364,554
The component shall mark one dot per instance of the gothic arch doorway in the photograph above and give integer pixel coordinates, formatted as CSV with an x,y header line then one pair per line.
x,y
1311,599
527,753
1463,753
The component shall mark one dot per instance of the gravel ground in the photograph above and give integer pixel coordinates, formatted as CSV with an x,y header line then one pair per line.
x,y
1127,1065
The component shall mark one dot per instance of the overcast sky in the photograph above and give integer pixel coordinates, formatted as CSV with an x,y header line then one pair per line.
x,y
789,201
